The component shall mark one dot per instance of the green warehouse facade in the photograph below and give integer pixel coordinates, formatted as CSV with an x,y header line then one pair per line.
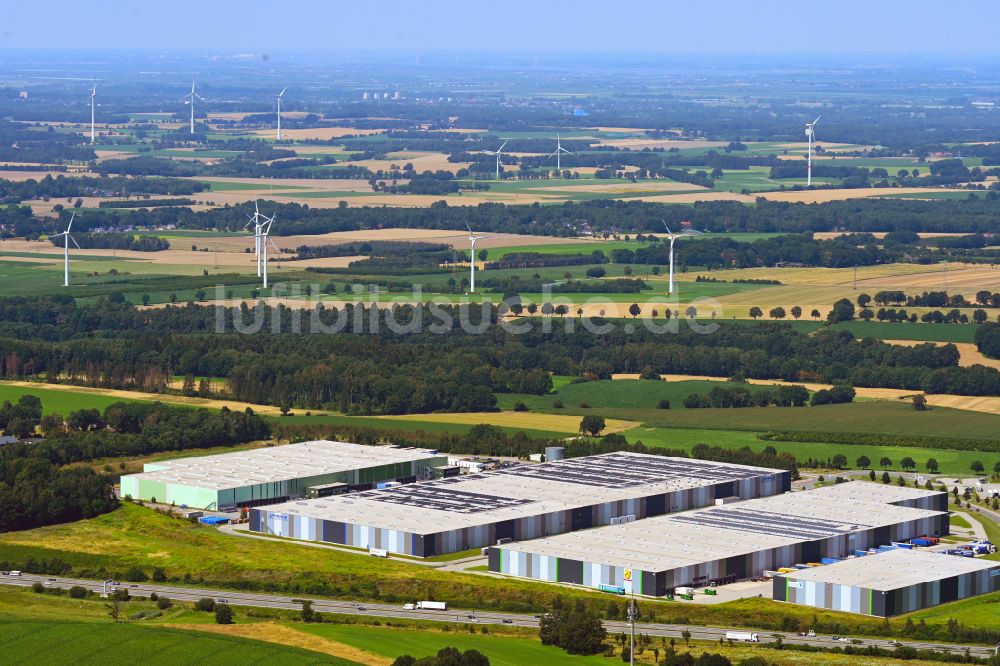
x,y
275,474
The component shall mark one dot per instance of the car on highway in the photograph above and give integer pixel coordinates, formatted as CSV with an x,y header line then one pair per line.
x,y
221,600
362,608
507,620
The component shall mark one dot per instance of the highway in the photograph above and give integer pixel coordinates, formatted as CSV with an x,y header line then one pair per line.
x,y
482,617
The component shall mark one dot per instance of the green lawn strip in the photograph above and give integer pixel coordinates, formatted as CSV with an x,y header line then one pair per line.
x,y
501,650
949,460
888,417
63,642
959,521
62,402
228,186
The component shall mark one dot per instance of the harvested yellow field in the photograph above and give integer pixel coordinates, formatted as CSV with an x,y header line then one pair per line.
x,y
989,405
281,634
968,353
21,176
319,133
827,235
818,276
822,196
949,277
553,422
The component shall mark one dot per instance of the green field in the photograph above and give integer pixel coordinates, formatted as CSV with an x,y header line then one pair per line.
x,y
876,417
59,402
106,643
907,331
501,650
950,461
614,394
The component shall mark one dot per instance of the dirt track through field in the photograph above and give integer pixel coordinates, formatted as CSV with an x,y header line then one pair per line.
x,y
272,632
823,195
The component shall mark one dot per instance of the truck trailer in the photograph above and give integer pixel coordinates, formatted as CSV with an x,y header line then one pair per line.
x,y
432,605
745,636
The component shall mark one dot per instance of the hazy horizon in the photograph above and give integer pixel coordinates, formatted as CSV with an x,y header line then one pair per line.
x,y
904,29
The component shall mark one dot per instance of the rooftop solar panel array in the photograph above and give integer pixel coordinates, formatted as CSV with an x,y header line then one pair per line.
x,y
434,496
620,470
766,522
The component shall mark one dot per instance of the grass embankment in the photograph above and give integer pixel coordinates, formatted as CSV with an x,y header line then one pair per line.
x,y
196,555
61,629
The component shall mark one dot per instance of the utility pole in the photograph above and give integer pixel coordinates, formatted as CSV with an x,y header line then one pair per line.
x,y
633,615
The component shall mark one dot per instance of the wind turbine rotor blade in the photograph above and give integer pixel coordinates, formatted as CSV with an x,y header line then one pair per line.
x,y
273,244
282,91
74,242
502,146
469,228
816,121
70,225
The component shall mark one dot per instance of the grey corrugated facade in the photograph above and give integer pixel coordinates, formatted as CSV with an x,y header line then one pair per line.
x,y
885,603
748,565
432,543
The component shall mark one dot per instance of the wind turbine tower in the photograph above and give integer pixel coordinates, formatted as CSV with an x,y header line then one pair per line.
x,y
189,99
674,237
93,104
810,138
66,239
497,153
472,258
264,237
255,221
558,153
278,99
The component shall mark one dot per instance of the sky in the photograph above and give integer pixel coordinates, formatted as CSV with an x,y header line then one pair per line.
x,y
902,27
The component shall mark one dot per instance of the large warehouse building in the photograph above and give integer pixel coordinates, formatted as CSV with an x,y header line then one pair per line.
x,y
275,474
522,502
729,542
889,583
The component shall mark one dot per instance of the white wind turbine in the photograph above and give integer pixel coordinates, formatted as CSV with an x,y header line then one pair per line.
x,y
558,153
497,153
811,138
66,239
472,258
93,104
264,237
255,221
673,237
278,100
189,99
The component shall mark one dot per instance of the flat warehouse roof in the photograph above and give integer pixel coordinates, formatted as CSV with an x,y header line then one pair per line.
x,y
893,569
527,490
279,463
683,539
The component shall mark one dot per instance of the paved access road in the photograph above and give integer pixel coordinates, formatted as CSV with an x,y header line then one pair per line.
x,y
514,619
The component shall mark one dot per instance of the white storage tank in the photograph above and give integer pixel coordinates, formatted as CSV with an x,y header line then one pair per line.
x,y
554,453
